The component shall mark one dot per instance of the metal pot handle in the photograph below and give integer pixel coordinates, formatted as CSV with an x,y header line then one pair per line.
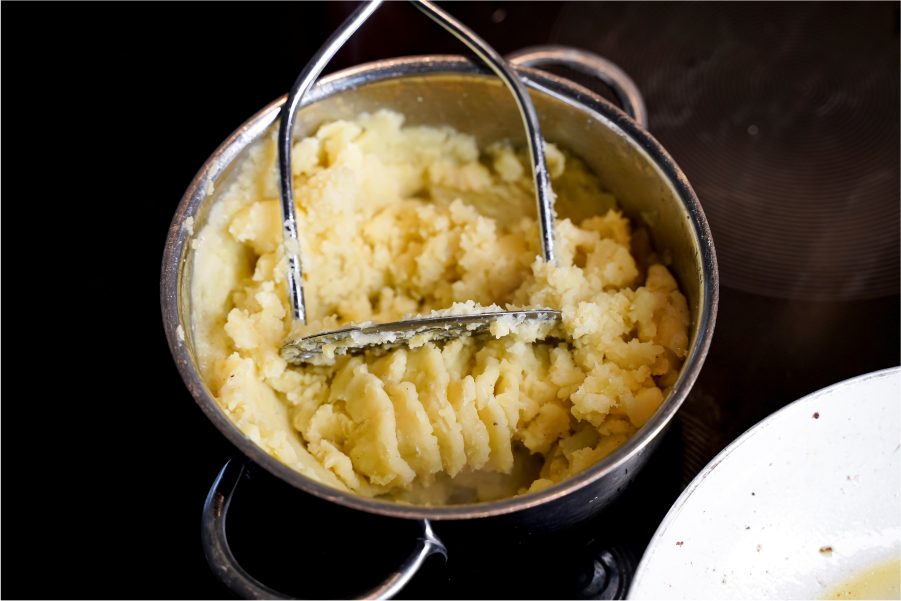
x,y
589,64
233,576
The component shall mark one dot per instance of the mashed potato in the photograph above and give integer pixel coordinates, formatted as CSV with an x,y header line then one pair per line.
x,y
400,220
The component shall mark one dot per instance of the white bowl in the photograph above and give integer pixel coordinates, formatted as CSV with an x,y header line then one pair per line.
x,y
759,521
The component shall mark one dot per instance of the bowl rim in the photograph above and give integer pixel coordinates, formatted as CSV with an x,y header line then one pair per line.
x,y
174,257
789,432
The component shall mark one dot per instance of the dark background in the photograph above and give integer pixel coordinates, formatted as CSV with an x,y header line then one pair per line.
x,y
784,117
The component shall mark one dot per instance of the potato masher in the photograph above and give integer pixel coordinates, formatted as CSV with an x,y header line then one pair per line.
x,y
358,338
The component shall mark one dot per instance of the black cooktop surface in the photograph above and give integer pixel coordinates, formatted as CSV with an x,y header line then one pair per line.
x,y
784,118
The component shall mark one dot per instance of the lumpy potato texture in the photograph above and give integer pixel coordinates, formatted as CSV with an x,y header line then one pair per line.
x,y
397,220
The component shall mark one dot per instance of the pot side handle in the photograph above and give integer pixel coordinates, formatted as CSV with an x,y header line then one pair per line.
x,y
245,586
589,64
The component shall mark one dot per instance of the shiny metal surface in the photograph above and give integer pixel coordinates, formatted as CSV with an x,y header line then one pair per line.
x,y
310,346
589,64
391,335
232,575
633,166
304,82
543,197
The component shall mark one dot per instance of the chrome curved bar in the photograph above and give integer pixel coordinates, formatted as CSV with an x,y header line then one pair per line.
x,y
500,67
307,78
304,82
589,64
232,575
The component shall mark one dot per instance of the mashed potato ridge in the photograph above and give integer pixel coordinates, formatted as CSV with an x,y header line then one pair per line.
x,y
396,221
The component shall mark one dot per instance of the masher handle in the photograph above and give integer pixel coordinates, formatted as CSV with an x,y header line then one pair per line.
x,y
503,70
308,77
304,82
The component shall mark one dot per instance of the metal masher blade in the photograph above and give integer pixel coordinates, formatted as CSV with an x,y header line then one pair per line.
x,y
410,332
299,350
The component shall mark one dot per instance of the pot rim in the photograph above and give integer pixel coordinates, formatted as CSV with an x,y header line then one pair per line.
x,y
562,89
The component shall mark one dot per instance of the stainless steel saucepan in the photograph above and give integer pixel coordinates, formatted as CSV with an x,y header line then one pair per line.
x,y
456,91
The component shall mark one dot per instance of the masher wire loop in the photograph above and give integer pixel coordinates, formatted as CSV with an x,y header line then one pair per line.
x,y
310,74
304,82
